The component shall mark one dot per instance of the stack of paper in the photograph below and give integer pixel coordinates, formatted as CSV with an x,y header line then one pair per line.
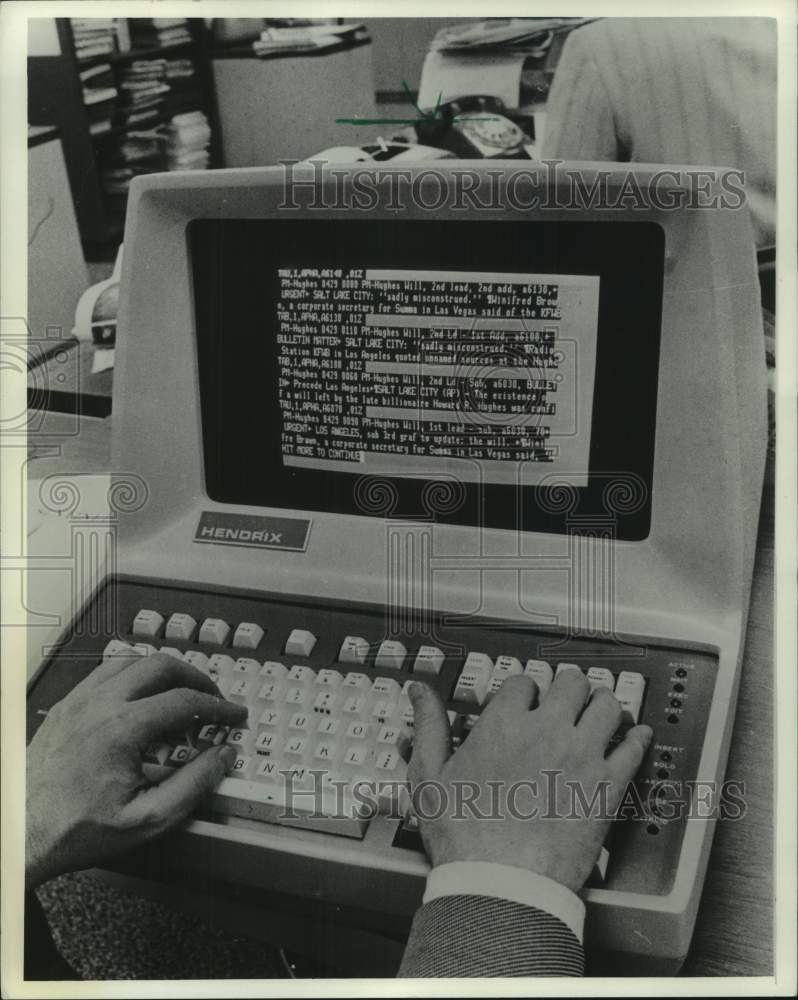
x,y
93,36
99,96
152,32
284,40
144,88
188,139
503,33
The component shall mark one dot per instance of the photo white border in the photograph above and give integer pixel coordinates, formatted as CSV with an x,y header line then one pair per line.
x,y
13,389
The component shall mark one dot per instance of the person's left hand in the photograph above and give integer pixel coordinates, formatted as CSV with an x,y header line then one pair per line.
x,y
87,797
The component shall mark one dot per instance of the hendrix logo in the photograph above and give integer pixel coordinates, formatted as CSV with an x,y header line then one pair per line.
x,y
253,531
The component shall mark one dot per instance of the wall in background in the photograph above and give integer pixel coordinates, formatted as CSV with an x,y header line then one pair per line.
x,y
400,45
43,37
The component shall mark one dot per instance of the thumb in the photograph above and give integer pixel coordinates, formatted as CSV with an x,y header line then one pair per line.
x,y
432,739
168,803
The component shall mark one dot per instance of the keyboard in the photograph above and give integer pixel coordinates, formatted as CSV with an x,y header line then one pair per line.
x,y
329,714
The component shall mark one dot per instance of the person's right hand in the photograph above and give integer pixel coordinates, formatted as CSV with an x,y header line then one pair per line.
x,y
87,797
516,743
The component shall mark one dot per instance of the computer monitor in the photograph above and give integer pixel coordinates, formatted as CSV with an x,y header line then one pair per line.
x,y
450,407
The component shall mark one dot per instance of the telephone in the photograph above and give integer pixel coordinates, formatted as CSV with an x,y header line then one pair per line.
x,y
477,127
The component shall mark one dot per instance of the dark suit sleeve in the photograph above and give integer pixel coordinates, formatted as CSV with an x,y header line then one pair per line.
x,y
483,936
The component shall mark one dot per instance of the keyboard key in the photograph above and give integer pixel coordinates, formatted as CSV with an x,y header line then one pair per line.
x,y
357,756
271,717
298,695
599,677
274,671
239,738
387,762
208,734
300,643
542,674
268,799
215,631
329,727
629,690
359,681
182,754
359,731
268,742
381,709
324,702
172,651
393,737
144,649
326,751
329,678
180,626
247,636
296,748
271,692
562,667
354,649
472,684
385,687
301,675
506,666
196,659
268,769
246,665
118,648
242,766
429,660
299,722
391,655
241,689
355,704
147,624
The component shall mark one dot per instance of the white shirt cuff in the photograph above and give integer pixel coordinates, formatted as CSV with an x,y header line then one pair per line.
x,y
517,885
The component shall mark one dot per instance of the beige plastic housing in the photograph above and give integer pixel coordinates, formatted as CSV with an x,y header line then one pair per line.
x,y
687,582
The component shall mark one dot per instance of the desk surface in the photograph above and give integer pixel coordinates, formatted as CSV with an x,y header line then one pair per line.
x,y
734,930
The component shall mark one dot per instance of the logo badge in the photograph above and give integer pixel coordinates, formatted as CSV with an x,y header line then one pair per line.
x,y
253,531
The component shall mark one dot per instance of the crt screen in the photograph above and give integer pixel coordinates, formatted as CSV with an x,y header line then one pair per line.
x,y
502,360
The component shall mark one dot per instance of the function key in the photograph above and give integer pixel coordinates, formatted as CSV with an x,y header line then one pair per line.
x,y
147,624
214,630
472,684
599,677
429,660
354,649
506,666
300,643
118,648
248,636
629,691
301,675
542,674
391,655
180,626
196,659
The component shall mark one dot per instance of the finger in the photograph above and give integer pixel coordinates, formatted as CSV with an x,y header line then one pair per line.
x,y
517,694
432,737
160,672
110,667
600,719
627,757
168,803
180,709
567,696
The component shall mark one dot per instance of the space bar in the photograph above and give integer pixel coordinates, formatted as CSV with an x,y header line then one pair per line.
x,y
321,810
